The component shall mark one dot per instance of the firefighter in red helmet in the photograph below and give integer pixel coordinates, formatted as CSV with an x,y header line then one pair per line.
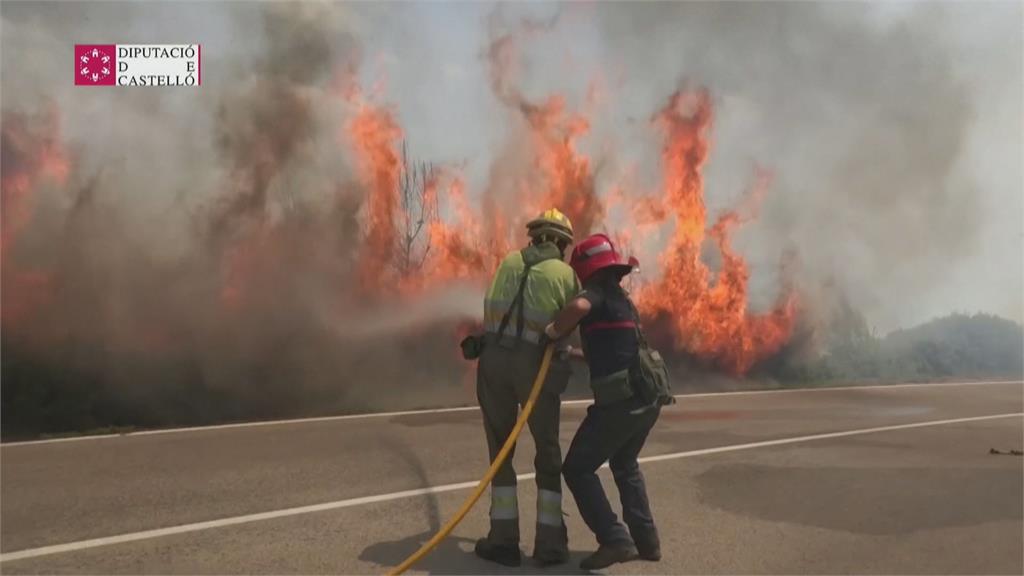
x,y
617,424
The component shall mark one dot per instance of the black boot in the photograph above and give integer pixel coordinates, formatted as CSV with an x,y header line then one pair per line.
x,y
648,544
651,553
607,555
553,548
504,555
551,557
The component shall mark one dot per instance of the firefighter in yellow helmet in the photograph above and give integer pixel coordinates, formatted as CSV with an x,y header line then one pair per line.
x,y
529,288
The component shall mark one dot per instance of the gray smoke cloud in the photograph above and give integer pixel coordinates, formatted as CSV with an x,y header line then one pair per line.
x,y
880,125
893,133
197,262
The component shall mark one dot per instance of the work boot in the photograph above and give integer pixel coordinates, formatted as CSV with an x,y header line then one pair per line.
x,y
607,555
651,553
648,545
504,555
551,546
550,556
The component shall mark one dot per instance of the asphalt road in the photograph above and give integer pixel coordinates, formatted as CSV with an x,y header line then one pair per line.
x,y
895,480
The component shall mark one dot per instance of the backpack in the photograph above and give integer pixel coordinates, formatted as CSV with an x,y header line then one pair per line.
x,y
648,375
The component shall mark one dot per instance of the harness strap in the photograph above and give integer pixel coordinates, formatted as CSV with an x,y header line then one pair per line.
x,y
517,302
636,323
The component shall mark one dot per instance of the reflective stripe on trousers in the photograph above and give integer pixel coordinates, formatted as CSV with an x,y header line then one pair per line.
x,y
504,503
549,507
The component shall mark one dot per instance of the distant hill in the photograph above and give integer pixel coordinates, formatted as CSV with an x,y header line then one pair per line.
x,y
959,344
954,346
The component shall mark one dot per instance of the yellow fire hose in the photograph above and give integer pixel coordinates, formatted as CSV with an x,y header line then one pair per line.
x,y
498,461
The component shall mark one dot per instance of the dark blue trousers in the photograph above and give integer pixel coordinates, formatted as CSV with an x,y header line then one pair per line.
x,y
612,434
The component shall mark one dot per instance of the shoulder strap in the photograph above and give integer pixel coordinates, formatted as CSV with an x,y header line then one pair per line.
x,y
636,323
517,302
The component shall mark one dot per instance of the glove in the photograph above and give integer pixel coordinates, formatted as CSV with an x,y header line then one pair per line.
x,y
550,332
472,347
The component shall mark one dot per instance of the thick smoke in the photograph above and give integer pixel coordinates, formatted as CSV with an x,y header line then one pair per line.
x,y
191,255
864,124
192,258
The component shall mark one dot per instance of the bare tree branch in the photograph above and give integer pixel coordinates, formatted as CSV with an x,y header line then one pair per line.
x,y
418,191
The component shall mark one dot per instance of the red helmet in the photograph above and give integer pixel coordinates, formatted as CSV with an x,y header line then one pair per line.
x,y
598,252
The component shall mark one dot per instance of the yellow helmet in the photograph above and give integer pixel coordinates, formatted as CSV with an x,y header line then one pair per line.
x,y
551,222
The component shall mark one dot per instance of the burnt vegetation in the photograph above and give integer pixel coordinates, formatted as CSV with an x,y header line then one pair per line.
x,y
418,191
65,390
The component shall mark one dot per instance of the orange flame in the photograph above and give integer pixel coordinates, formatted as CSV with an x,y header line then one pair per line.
x,y
32,155
375,134
707,318
462,249
705,312
568,182
565,177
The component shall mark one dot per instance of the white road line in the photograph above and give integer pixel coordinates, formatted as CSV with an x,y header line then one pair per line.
x,y
473,408
220,523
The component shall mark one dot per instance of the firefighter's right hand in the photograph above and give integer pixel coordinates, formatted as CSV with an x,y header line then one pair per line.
x,y
550,331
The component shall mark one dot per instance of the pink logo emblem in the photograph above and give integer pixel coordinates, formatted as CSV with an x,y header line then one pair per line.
x,y
95,64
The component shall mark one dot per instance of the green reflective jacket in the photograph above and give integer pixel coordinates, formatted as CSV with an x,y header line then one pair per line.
x,y
551,284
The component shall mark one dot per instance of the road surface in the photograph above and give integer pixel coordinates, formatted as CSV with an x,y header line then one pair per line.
x,y
895,480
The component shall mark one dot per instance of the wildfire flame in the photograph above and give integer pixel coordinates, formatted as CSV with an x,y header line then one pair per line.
x,y
703,312
464,250
376,134
708,318
32,156
562,176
